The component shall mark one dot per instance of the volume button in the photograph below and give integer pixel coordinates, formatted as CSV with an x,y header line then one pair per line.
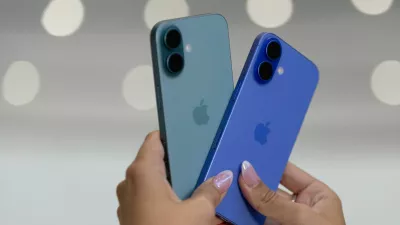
x,y
164,143
166,162
158,96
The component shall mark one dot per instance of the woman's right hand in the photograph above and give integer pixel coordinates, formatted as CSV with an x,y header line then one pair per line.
x,y
315,202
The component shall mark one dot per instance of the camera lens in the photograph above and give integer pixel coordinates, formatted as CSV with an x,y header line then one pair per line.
x,y
265,71
274,50
175,62
172,38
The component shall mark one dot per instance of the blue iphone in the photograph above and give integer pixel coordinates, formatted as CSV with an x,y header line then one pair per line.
x,y
262,121
193,81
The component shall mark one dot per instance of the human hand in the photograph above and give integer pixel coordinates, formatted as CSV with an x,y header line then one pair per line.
x,y
315,202
146,198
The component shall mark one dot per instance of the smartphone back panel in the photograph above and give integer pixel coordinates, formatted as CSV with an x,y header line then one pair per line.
x,y
191,104
261,124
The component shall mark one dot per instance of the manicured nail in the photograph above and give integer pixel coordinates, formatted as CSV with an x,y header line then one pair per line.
x,y
250,176
223,181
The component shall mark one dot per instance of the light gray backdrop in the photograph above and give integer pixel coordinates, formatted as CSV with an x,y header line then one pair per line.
x,y
63,153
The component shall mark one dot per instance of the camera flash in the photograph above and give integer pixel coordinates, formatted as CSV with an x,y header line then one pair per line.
x,y
188,48
280,70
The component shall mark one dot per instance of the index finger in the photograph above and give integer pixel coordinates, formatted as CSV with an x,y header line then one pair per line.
x,y
295,179
152,152
151,148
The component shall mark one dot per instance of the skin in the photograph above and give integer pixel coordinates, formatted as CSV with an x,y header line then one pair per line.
x,y
146,198
315,204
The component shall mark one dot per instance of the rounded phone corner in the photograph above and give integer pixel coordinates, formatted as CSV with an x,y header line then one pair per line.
x,y
225,21
155,29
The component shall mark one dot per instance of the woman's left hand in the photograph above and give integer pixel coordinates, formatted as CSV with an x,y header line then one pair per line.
x,y
146,198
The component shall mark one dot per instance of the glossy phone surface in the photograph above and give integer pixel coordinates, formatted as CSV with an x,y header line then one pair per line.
x,y
261,122
192,101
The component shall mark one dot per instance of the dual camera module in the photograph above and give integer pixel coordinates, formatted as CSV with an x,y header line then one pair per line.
x,y
173,41
267,67
175,59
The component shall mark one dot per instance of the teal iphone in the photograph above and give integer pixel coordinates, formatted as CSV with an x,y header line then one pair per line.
x,y
193,80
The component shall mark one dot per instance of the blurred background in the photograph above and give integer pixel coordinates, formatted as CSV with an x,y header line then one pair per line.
x,y
77,99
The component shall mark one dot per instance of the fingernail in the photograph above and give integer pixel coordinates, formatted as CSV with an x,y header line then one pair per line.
x,y
250,176
223,181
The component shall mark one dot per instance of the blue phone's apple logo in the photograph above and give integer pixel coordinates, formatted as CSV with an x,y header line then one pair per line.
x,y
200,114
261,133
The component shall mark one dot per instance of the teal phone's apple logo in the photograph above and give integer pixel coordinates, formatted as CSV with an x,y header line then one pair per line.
x,y
261,133
200,114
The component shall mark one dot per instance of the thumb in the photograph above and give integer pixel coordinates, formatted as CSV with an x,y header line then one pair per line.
x,y
268,202
208,195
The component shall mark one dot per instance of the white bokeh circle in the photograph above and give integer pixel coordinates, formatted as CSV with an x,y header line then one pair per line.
x,y
269,13
138,88
63,17
385,82
157,10
21,83
372,7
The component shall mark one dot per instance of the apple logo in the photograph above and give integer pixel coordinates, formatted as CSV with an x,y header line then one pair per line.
x,y
200,115
261,132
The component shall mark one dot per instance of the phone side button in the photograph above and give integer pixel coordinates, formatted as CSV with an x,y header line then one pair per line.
x,y
158,97
166,161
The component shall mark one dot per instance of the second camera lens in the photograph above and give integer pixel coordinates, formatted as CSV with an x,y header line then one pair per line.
x,y
274,50
173,38
175,63
265,71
